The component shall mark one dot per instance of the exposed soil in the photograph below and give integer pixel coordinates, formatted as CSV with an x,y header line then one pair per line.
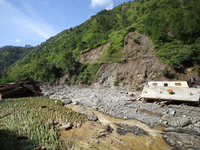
x,y
93,55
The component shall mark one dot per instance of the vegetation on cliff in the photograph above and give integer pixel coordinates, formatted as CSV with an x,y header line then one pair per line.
x,y
172,25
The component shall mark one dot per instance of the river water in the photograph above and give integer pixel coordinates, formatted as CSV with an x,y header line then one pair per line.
x,y
152,140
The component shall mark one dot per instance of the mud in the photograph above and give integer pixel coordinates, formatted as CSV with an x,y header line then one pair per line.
x,y
133,133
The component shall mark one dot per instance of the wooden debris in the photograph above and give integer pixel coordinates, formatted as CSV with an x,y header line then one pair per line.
x,y
5,115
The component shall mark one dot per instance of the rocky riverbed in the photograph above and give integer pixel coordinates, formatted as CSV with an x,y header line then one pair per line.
x,y
182,122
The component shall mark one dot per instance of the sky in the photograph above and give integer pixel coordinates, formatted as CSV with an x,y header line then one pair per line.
x,y
32,22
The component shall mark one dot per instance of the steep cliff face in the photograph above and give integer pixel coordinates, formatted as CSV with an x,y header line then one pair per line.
x,y
131,72
139,63
135,45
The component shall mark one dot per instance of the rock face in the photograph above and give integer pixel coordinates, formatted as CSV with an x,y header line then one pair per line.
x,y
128,72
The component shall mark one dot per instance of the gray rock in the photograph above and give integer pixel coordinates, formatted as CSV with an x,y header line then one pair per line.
x,y
66,102
75,103
66,126
53,122
196,125
77,100
194,121
72,148
79,125
181,144
184,122
93,96
170,129
61,97
96,140
169,119
91,116
172,143
172,112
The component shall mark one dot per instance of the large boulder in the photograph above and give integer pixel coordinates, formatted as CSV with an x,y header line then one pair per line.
x,y
91,116
184,122
66,126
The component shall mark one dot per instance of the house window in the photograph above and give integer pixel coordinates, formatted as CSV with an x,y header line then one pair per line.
x,y
154,84
177,84
165,84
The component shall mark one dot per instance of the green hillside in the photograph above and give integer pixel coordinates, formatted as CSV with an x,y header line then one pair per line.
x,y
172,25
10,54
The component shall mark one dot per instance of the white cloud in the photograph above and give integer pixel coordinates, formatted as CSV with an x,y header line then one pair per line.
x,y
108,4
18,41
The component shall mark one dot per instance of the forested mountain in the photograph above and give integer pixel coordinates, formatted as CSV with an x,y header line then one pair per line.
x,y
10,54
172,25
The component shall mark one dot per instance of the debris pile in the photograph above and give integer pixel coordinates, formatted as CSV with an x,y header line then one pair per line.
x,y
24,88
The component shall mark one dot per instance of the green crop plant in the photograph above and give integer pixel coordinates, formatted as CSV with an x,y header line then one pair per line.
x,y
25,118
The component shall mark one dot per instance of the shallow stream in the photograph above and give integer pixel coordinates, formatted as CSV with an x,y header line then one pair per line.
x,y
136,134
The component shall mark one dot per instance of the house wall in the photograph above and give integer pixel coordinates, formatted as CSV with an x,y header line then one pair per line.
x,y
169,83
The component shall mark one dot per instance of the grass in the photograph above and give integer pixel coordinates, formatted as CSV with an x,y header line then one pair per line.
x,y
25,125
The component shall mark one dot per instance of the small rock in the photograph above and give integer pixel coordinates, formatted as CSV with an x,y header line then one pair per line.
x,y
66,102
185,141
125,118
184,122
194,121
172,143
181,144
96,140
170,129
56,102
79,124
75,103
196,125
172,112
53,122
72,148
169,118
74,127
130,94
165,112
66,126
93,96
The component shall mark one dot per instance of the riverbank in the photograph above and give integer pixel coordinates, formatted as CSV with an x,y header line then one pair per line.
x,y
181,122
